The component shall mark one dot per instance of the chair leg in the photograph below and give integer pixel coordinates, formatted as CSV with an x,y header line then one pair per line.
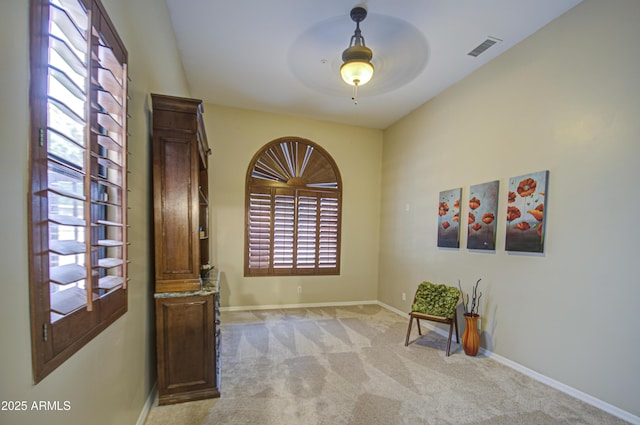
x,y
406,340
449,340
455,320
419,330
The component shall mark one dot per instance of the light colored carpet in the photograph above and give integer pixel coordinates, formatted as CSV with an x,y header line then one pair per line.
x,y
349,365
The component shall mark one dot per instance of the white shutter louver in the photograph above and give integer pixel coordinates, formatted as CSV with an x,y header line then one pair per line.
x,y
329,231
307,232
259,231
283,230
68,157
109,176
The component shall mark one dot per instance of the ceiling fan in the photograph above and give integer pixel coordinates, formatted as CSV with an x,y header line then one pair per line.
x,y
318,59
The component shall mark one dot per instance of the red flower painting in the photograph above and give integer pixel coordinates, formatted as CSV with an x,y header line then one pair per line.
x,y
513,213
537,212
527,187
483,206
449,218
444,208
526,211
474,203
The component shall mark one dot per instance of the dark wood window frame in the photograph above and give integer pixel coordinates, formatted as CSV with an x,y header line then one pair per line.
x,y
78,178
293,210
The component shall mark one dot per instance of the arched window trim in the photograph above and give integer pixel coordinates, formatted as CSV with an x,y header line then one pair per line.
x,y
293,210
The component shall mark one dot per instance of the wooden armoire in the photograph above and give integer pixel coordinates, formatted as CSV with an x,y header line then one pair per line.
x,y
187,312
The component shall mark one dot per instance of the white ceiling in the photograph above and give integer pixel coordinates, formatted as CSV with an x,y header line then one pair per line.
x,y
284,56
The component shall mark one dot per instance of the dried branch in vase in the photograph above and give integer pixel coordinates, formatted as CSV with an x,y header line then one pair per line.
x,y
475,299
205,269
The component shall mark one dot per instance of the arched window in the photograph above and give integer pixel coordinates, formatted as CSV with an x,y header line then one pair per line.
x,y
293,210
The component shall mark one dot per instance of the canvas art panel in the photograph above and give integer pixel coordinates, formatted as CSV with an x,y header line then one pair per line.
x,y
526,211
483,212
449,218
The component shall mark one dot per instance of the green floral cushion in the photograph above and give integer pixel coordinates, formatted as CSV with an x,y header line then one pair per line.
x,y
436,299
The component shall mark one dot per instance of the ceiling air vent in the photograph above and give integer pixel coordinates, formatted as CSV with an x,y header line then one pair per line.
x,y
490,41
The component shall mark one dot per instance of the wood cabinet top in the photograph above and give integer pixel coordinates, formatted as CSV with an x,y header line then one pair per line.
x,y
177,104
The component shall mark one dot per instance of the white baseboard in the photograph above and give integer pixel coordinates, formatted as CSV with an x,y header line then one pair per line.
x,y
589,399
404,314
609,408
147,405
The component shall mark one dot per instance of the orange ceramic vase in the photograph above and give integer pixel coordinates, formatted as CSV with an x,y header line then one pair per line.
x,y
470,337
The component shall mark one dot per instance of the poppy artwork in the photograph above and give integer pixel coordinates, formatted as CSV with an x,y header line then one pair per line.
x,y
449,218
526,212
483,211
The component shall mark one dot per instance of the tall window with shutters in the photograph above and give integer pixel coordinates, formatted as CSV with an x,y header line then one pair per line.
x,y
293,210
78,186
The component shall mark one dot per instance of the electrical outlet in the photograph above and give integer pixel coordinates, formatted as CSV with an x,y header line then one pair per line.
x,y
299,289
404,296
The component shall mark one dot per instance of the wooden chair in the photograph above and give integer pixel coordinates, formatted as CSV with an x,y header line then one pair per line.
x,y
437,303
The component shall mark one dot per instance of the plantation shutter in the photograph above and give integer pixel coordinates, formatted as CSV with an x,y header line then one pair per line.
x,y
328,232
78,238
293,210
283,228
307,231
259,243
67,182
109,169
86,159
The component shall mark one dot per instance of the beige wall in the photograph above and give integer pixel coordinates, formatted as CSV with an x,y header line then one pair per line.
x,y
565,100
107,381
235,136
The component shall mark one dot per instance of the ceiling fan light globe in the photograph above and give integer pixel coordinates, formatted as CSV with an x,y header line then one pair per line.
x,y
356,72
